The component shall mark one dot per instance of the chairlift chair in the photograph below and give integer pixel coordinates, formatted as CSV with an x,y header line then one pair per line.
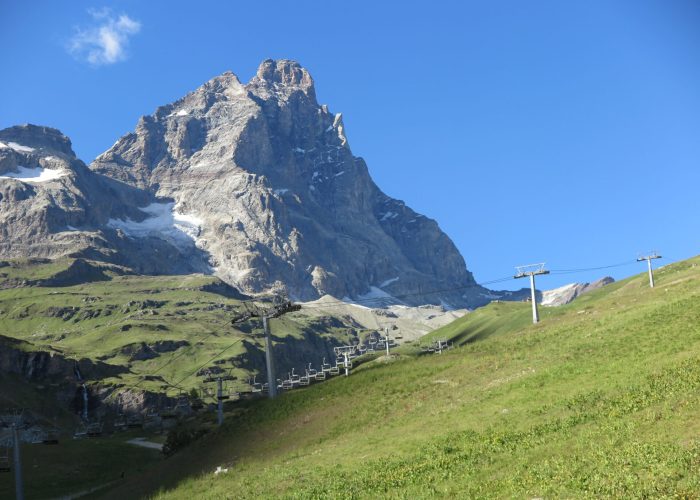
x,y
256,386
36,436
311,372
51,437
335,370
325,367
294,378
168,413
304,379
94,429
320,376
120,423
134,422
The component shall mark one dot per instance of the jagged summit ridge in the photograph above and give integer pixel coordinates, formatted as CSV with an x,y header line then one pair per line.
x,y
284,72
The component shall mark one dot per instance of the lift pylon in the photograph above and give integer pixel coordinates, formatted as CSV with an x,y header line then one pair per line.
x,y
531,270
649,257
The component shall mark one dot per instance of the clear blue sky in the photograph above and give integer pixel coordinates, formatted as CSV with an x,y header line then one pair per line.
x,y
565,132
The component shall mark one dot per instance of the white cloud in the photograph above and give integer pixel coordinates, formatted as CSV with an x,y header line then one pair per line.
x,y
104,42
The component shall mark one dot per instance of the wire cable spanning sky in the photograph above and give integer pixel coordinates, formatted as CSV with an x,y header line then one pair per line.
x,y
546,131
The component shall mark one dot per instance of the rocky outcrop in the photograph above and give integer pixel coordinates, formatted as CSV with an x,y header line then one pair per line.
x,y
21,358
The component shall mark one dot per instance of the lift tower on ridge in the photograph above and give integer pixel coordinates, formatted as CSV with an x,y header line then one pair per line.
x,y
648,258
531,270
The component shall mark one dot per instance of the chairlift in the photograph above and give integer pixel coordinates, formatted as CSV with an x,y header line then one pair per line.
x,y
80,432
152,416
94,429
255,386
120,422
183,403
320,376
294,378
50,437
304,379
168,413
325,367
311,372
134,422
335,370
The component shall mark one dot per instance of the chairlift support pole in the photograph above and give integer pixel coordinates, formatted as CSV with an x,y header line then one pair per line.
x,y
532,271
274,312
269,362
220,401
386,340
19,486
649,258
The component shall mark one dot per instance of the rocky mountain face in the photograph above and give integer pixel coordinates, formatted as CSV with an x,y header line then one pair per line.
x,y
278,197
567,293
52,205
253,182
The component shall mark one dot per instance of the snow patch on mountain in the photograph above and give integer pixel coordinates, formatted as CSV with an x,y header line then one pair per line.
x,y
182,112
388,282
16,147
164,222
37,174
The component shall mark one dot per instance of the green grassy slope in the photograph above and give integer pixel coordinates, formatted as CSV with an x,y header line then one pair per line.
x,y
106,319
109,319
601,398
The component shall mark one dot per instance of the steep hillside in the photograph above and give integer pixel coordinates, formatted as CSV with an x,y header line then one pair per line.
x,y
599,399
130,333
